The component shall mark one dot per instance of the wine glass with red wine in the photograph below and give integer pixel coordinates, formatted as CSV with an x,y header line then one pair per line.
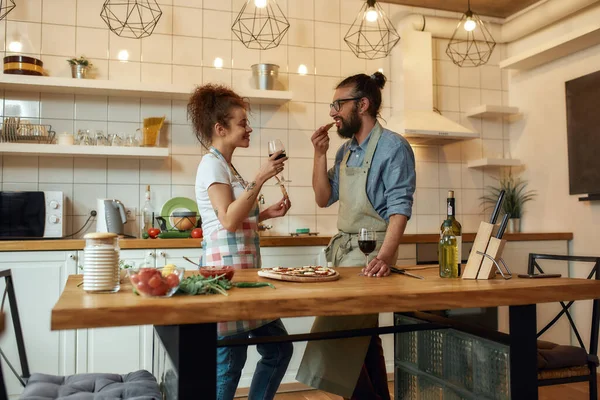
x,y
275,146
367,242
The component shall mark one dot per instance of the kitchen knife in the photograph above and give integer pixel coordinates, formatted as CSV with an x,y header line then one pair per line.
x,y
405,272
502,227
497,208
494,250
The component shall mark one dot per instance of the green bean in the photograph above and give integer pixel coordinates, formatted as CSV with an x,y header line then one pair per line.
x,y
252,284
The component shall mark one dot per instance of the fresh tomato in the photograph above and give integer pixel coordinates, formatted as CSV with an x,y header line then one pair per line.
x,y
153,232
143,288
155,281
197,233
172,280
160,290
135,279
146,274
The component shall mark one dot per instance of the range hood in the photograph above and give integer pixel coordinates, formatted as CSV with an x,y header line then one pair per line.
x,y
412,95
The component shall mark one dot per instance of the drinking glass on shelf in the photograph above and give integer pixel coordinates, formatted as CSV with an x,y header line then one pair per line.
x,y
131,141
274,146
367,242
100,139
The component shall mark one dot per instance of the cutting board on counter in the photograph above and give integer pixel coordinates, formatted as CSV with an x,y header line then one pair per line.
x,y
296,278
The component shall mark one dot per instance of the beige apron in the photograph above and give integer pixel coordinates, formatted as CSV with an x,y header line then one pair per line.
x,y
334,365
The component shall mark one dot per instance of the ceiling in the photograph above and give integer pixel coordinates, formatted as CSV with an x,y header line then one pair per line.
x,y
490,8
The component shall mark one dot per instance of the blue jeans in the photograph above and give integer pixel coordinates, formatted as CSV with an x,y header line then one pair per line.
x,y
270,369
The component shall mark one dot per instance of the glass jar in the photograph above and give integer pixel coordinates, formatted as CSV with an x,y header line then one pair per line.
x,y
101,263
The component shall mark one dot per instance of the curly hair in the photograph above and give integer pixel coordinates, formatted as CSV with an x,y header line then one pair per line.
x,y
367,86
211,104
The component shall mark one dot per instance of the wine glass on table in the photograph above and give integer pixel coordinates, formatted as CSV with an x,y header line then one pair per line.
x,y
367,242
274,146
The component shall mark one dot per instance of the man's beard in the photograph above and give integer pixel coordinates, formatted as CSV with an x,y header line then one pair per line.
x,y
351,126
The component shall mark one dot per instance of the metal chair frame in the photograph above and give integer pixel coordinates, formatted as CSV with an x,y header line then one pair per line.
x,y
592,352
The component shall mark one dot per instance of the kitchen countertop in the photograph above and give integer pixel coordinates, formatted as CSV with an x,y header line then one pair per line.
x,y
265,241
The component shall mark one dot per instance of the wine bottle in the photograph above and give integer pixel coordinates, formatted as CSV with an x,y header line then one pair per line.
x,y
448,252
456,227
147,213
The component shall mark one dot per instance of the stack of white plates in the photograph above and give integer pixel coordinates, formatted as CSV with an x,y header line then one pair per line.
x,y
100,269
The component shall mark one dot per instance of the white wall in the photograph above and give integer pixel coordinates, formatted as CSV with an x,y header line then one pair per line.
x,y
540,141
189,36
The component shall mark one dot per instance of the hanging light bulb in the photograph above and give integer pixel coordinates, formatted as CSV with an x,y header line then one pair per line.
x,y
371,40
470,24
260,3
260,24
471,44
371,14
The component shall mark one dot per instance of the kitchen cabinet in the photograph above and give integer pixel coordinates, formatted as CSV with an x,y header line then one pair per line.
x,y
131,344
39,278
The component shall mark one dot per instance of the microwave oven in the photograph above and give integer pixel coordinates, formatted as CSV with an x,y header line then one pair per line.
x,y
32,215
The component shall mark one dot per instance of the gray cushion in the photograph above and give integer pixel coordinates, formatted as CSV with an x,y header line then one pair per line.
x,y
139,385
552,356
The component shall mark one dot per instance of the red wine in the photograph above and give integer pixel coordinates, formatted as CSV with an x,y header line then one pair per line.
x,y
279,156
367,246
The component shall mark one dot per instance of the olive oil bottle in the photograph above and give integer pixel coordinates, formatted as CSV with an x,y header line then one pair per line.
x,y
448,252
456,227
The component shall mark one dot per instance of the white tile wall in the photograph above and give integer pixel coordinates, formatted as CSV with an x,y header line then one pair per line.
x,y
189,36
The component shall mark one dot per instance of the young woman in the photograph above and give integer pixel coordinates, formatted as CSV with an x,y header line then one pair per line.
x,y
230,215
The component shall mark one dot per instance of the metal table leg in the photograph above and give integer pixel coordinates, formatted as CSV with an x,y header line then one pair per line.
x,y
192,350
523,352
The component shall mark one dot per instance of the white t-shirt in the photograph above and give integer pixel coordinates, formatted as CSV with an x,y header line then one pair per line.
x,y
213,170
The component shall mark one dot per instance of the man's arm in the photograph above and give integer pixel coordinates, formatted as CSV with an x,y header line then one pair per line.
x,y
399,181
379,265
320,180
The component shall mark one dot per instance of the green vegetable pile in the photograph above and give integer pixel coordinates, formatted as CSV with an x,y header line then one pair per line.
x,y
197,284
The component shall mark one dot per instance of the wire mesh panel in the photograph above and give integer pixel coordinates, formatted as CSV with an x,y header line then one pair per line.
x,y
131,18
260,24
449,364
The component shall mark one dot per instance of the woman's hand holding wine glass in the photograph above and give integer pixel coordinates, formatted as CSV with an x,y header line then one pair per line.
x,y
275,146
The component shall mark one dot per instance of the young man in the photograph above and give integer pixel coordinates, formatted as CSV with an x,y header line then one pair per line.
x,y
374,180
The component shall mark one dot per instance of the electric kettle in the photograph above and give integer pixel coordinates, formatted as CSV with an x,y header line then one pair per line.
x,y
111,216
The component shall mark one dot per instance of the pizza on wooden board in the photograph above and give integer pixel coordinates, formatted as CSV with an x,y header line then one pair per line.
x,y
307,271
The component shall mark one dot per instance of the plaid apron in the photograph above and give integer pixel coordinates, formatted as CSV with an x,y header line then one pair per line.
x,y
239,249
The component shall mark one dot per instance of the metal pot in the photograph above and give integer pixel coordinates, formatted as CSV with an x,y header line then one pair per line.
x,y
514,225
79,71
264,76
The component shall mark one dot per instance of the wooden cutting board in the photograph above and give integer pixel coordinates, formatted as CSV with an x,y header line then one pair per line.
x,y
295,278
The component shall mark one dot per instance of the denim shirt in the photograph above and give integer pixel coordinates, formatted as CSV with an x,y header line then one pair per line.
x,y
391,181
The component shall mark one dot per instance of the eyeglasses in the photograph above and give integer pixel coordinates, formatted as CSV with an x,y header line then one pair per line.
x,y
337,104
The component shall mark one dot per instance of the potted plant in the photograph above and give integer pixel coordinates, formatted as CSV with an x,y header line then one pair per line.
x,y
79,67
515,197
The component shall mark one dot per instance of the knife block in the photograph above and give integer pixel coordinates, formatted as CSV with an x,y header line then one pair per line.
x,y
494,251
482,239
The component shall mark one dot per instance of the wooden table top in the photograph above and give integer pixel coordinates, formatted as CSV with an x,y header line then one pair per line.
x,y
265,241
352,294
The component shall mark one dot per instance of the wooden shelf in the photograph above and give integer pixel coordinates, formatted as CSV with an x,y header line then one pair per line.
x,y
47,84
83,151
494,162
570,43
492,111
